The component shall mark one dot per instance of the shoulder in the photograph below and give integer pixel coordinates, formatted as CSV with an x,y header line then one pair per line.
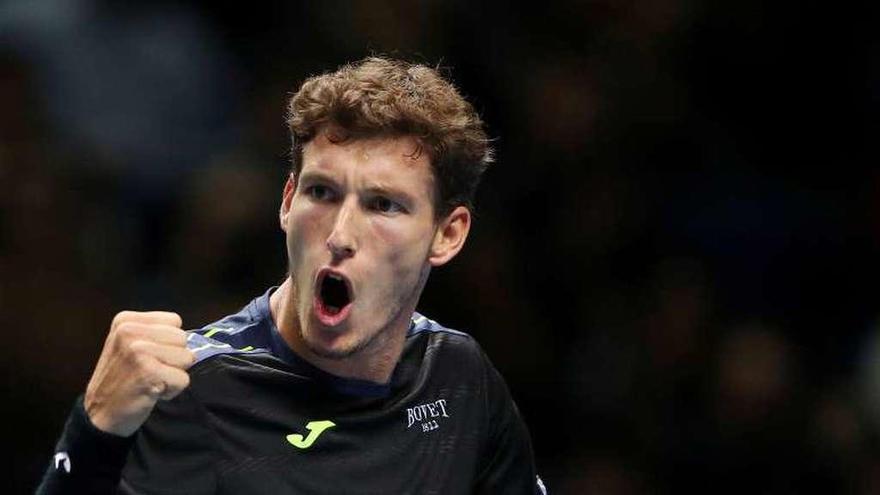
x,y
421,324
439,336
453,350
459,354
244,332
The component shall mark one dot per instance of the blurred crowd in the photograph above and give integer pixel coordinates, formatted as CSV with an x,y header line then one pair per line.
x,y
673,261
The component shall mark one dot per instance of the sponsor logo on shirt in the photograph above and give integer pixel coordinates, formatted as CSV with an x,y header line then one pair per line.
x,y
62,460
427,415
315,429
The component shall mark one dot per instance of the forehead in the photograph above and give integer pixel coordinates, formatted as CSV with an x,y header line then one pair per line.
x,y
384,158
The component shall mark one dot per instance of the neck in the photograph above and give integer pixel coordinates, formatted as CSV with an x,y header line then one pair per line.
x,y
375,363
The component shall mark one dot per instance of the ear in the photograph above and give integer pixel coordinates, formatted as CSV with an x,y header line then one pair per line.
x,y
450,236
286,200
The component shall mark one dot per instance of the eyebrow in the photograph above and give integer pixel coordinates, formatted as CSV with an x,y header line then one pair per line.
x,y
385,190
375,188
316,176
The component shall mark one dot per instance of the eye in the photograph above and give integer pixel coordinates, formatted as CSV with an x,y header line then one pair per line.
x,y
382,204
319,192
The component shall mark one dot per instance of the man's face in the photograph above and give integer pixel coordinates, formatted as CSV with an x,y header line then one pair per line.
x,y
361,238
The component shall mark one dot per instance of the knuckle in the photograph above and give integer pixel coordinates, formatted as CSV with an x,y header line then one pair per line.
x,y
153,388
142,362
168,318
184,381
122,338
135,347
120,318
177,340
178,321
127,330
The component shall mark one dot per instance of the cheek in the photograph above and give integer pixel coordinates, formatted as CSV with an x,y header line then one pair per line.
x,y
403,244
302,230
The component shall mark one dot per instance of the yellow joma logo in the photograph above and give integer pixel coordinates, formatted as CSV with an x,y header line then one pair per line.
x,y
315,429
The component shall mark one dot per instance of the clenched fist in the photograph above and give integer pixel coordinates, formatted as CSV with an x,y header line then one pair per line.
x,y
144,360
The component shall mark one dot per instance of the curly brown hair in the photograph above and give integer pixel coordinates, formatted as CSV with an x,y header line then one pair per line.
x,y
379,96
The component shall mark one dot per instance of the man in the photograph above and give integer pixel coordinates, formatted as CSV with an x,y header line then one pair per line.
x,y
330,383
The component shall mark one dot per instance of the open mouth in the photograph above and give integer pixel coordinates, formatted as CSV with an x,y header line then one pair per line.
x,y
334,297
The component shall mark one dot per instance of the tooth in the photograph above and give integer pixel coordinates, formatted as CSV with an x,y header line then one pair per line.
x,y
335,277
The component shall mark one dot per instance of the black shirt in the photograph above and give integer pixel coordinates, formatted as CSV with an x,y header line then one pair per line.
x,y
257,419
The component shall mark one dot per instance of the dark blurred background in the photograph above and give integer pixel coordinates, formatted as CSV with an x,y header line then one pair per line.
x,y
674,261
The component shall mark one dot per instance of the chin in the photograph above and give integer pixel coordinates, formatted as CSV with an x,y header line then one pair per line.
x,y
336,347
331,353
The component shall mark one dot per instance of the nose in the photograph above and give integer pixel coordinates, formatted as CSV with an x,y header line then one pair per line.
x,y
342,241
